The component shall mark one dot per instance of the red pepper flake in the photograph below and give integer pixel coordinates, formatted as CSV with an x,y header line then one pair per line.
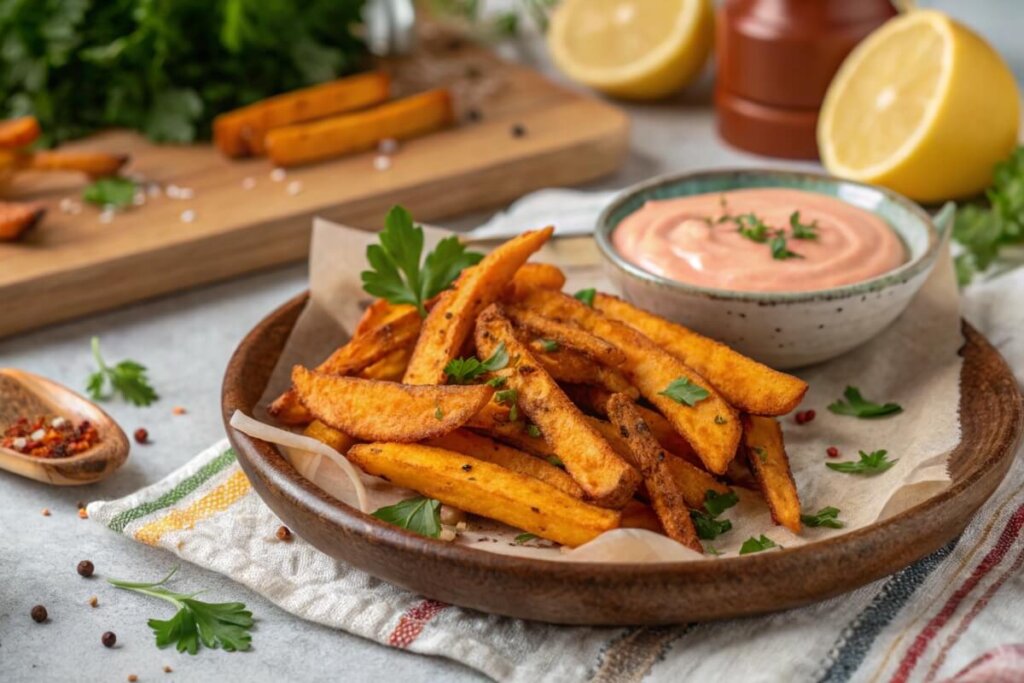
x,y
141,435
832,451
284,534
178,410
46,512
83,513
804,416
53,437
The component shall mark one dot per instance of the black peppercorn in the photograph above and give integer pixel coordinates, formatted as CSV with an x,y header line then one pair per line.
x,y
85,568
518,130
109,639
39,614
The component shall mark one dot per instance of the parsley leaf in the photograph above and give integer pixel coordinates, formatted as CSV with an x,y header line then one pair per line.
x,y
534,431
756,545
780,250
875,462
509,397
549,345
803,231
467,370
586,296
717,503
224,624
127,378
438,413
555,460
683,391
752,227
827,516
116,192
711,550
396,274
858,406
497,382
706,521
420,515
524,538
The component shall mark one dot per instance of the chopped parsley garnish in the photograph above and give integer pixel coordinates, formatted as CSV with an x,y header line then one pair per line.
x,y
223,624
706,521
828,517
127,378
803,231
116,192
717,503
749,225
555,460
396,273
586,296
509,397
497,382
524,537
761,455
780,248
467,370
875,462
756,545
858,406
683,391
549,345
533,430
438,413
420,515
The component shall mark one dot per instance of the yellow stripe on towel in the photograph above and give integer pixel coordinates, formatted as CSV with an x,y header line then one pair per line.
x,y
213,502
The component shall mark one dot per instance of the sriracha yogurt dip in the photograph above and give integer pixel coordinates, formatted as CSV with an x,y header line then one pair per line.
x,y
759,240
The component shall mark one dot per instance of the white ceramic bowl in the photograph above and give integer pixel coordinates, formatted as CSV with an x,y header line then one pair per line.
x,y
781,329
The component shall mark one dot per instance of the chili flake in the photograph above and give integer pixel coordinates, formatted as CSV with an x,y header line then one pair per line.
x,y
54,437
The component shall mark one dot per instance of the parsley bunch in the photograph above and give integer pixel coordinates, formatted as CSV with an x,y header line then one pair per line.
x,y
396,272
127,378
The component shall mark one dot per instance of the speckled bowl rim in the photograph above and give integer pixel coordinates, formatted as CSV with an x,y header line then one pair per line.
x,y
907,271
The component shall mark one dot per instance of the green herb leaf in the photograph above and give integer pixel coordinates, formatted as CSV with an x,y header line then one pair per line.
x,y
555,460
549,345
802,231
396,274
127,378
827,517
683,391
749,225
706,522
420,515
875,462
509,397
225,624
116,192
857,406
497,382
586,296
534,431
780,250
717,503
468,370
524,538
756,545
438,413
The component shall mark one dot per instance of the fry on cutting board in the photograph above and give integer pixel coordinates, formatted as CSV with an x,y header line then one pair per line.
x,y
17,218
93,164
18,132
486,489
241,132
766,452
335,136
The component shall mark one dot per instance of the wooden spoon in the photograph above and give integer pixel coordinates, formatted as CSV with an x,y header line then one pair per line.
x,y
23,394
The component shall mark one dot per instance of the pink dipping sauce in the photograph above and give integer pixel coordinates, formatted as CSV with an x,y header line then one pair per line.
x,y
682,239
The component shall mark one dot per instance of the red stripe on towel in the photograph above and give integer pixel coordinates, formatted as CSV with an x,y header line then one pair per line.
x,y
411,624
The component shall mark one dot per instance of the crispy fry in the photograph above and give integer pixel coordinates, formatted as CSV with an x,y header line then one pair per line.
x,y
568,366
745,383
94,164
371,410
381,312
335,136
391,367
241,132
766,452
637,515
339,441
606,478
666,496
358,355
17,218
19,132
486,489
464,441
493,419
534,276
566,335
711,426
450,323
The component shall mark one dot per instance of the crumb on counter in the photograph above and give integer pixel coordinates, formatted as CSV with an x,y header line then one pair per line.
x,y
178,410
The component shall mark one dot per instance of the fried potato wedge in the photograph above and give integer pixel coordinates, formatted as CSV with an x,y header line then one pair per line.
x,y
391,367
93,164
469,443
450,322
17,218
605,477
568,366
494,421
766,452
638,515
534,276
381,312
486,489
20,132
711,425
241,132
357,355
746,384
371,410
665,495
334,136
566,335
339,441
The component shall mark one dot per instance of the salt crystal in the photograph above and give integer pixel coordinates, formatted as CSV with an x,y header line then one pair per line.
x,y
186,193
173,191
58,422
248,183
19,443
139,199
188,215
382,163
106,215
37,435
277,175
153,190
294,187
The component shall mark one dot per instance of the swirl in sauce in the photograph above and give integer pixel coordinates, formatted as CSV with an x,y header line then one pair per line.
x,y
684,240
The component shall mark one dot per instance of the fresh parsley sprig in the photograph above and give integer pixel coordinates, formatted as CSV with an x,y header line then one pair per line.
x,y
706,521
756,545
114,191
524,537
752,227
420,515
857,406
801,230
586,296
780,248
549,345
396,273
682,390
509,397
875,462
827,517
467,370
224,624
127,378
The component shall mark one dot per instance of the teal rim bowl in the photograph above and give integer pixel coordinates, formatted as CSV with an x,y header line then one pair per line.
x,y
920,234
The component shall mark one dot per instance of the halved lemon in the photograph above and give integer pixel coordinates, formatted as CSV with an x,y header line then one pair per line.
x,y
923,106
635,49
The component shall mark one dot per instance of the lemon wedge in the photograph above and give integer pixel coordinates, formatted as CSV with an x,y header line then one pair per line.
x,y
924,106
634,49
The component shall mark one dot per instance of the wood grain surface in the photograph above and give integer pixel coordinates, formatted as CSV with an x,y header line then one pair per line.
x,y
992,417
74,264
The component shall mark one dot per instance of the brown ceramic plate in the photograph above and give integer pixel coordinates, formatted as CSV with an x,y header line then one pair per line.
x,y
991,414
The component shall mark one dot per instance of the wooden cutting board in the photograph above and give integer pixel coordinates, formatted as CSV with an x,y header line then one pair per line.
x,y
74,263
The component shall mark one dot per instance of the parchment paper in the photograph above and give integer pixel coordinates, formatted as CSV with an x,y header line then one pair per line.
x,y
914,362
